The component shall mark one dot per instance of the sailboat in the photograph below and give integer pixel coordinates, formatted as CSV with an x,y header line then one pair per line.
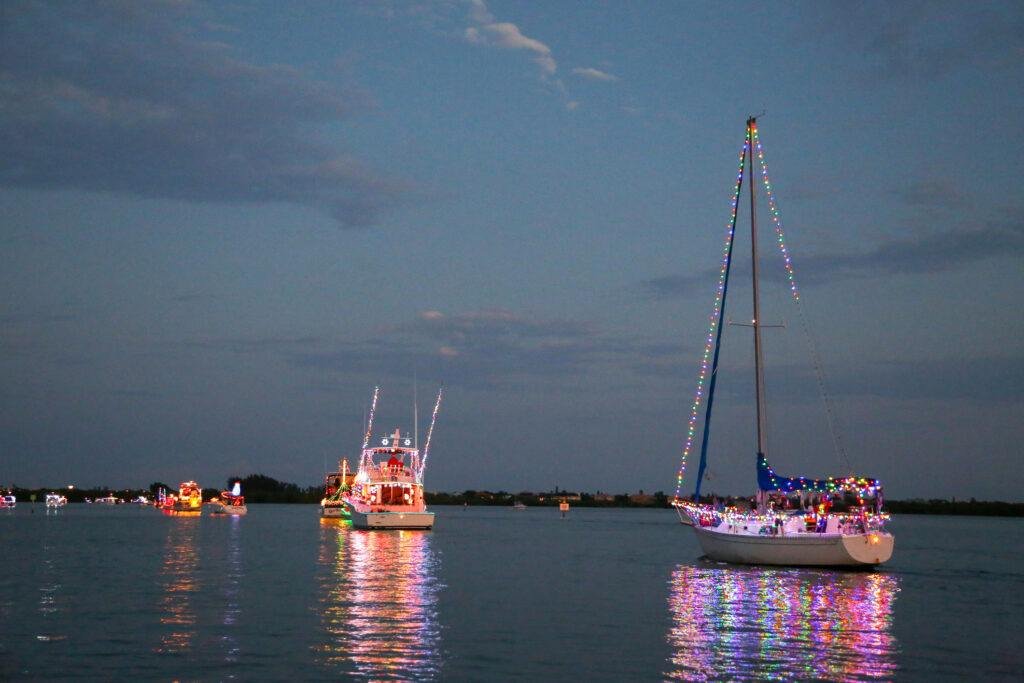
x,y
797,521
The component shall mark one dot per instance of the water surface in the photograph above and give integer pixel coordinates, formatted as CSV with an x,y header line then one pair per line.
x,y
491,593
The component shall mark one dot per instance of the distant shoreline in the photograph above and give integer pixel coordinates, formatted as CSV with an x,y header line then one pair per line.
x,y
262,489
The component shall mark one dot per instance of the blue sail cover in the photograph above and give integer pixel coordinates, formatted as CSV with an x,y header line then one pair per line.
x,y
768,480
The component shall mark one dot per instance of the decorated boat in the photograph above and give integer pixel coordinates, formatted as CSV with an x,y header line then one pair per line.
x,y
387,490
336,486
8,501
109,499
230,502
55,500
800,521
189,498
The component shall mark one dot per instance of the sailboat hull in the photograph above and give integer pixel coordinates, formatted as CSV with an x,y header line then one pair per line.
x,y
799,550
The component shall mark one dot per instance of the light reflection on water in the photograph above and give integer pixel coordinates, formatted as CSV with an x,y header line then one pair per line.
x,y
233,576
740,623
378,594
179,583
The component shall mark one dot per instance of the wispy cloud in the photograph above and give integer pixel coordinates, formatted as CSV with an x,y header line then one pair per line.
x,y
138,99
931,252
506,35
592,74
479,348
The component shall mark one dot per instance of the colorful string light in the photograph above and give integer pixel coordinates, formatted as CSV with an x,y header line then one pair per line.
x,y
773,209
709,340
430,435
819,372
369,424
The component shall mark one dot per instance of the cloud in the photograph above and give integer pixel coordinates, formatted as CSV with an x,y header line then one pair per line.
x,y
931,193
674,285
479,348
507,36
925,40
984,380
130,98
927,253
591,74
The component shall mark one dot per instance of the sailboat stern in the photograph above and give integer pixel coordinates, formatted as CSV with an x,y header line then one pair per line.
x,y
874,547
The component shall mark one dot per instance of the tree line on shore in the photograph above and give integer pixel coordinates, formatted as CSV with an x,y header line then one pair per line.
x,y
260,488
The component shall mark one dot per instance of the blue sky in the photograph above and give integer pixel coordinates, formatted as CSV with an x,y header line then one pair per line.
x,y
224,223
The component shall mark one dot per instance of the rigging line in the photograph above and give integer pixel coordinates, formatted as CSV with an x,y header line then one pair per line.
x,y
702,467
709,338
819,370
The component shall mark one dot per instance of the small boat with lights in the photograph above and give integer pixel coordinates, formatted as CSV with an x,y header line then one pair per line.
x,y
387,489
8,502
336,486
189,498
230,502
55,500
796,521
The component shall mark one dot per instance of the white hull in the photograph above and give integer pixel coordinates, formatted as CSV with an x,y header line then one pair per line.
x,y
812,550
229,510
333,511
392,520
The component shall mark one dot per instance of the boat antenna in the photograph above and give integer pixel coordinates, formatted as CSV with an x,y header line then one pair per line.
x,y
415,416
369,424
430,432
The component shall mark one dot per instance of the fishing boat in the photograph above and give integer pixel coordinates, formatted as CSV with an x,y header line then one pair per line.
x,y
798,521
55,500
230,502
387,490
189,498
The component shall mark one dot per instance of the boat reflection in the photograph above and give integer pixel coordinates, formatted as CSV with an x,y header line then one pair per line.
x,y
378,603
732,623
230,589
178,579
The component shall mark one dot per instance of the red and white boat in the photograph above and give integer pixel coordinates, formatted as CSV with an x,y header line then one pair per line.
x,y
230,502
387,490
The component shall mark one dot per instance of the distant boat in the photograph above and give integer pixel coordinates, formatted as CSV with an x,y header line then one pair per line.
x,y
109,499
336,486
55,500
387,490
189,498
8,502
518,505
230,502
775,533
563,507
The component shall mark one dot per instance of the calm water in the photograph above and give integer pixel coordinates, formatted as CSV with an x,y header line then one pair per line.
x,y
491,594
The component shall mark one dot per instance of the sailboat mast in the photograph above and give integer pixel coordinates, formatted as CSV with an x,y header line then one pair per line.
x,y
762,422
